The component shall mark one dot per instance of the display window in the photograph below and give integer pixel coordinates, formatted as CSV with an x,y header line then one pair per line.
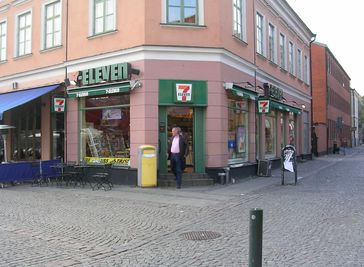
x,y
26,137
105,129
238,130
283,129
292,129
270,135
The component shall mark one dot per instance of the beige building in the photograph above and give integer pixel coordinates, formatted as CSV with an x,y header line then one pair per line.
x,y
234,75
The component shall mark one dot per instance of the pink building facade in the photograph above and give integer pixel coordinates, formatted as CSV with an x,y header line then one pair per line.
x,y
234,75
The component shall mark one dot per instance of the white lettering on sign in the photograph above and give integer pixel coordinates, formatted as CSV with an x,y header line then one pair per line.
x,y
184,92
82,94
113,90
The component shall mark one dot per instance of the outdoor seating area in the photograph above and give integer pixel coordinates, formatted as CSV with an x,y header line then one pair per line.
x,y
57,173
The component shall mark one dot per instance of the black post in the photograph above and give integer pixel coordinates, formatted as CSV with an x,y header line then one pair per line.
x,y
255,237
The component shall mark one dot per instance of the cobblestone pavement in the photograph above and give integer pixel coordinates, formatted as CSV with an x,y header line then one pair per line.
x,y
318,222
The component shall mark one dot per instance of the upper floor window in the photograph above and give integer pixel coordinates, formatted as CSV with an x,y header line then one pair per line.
x,y
299,64
182,12
305,69
103,16
282,46
260,34
52,24
239,17
290,58
24,36
272,43
2,40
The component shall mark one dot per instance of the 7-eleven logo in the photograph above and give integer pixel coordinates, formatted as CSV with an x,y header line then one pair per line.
x,y
184,92
263,106
59,104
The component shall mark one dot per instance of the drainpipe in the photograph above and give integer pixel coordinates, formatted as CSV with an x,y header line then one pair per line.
x,y
312,124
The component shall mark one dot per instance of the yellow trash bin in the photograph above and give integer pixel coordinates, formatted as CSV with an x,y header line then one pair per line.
x,y
147,166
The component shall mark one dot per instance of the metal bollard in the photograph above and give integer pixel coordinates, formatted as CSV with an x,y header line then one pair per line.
x,y
255,237
227,174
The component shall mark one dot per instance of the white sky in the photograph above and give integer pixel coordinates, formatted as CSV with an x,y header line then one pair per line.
x,y
338,24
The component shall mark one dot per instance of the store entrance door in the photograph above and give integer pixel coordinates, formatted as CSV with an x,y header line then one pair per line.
x,y
182,117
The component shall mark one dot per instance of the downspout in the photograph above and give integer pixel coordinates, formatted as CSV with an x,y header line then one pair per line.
x,y
65,76
311,90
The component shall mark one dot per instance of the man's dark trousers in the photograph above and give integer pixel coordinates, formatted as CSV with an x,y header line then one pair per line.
x,y
176,161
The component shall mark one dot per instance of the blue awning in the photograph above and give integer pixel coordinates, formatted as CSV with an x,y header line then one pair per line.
x,y
13,99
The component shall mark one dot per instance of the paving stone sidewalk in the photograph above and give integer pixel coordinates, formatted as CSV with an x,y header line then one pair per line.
x,y
319,222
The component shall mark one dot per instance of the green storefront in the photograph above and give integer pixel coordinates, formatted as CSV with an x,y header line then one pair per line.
x,y
183,103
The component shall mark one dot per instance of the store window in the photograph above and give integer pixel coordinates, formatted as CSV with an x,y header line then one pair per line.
x,y
105,129
26,137
58,136
238,130
292,129
283,129
270,135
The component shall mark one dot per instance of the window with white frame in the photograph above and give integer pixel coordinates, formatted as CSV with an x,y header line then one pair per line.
x,y
272,43
260,33
290,58
282,46
52,24
305,69
3,34
24,36
299,64
182,11
239,17
103,16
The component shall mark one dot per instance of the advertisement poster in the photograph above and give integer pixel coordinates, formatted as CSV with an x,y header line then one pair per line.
x,y
111,114
240,139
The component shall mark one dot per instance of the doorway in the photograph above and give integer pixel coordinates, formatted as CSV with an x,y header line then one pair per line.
x,y
182,117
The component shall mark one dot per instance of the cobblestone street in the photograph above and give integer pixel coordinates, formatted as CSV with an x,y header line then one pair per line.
x,y
318,222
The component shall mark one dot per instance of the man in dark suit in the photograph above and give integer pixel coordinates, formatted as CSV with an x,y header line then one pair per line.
x,y
177,149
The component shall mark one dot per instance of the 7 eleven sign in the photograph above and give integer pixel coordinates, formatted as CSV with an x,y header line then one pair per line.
x,y
263,106
58,104
184,92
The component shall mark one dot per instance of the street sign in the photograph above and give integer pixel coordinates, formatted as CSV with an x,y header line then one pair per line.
x,y
289,162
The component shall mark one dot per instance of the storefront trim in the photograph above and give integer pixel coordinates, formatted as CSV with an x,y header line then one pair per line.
x,y
112,88
284,107
242,92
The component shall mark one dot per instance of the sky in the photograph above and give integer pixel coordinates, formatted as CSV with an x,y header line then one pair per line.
x,y
338,24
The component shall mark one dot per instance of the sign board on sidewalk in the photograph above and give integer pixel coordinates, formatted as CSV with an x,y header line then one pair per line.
x,y
289,162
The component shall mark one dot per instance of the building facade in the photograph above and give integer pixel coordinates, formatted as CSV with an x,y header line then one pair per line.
x,y
331,95
234,75
355,116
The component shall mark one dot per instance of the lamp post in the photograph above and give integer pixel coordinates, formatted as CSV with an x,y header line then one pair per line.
x,y
4,129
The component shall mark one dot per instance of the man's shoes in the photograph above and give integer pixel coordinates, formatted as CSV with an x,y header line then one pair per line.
x,y
178,187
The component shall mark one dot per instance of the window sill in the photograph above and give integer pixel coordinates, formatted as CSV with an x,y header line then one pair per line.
x,y
274,64
4,61
181,25
45,50
261,56
23,56
102,34
283,70
242,41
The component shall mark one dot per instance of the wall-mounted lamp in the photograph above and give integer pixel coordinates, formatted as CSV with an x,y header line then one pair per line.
x,y
228,85
303,106
15,85
68,82
135,84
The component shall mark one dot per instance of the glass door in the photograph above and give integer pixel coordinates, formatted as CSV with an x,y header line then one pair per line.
x,y
182,117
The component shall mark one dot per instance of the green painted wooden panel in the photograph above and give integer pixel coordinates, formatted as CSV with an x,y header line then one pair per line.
x,y
199,130
163,135
167,93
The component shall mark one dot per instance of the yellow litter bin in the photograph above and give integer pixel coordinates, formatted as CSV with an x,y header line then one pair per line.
x,y
147,166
